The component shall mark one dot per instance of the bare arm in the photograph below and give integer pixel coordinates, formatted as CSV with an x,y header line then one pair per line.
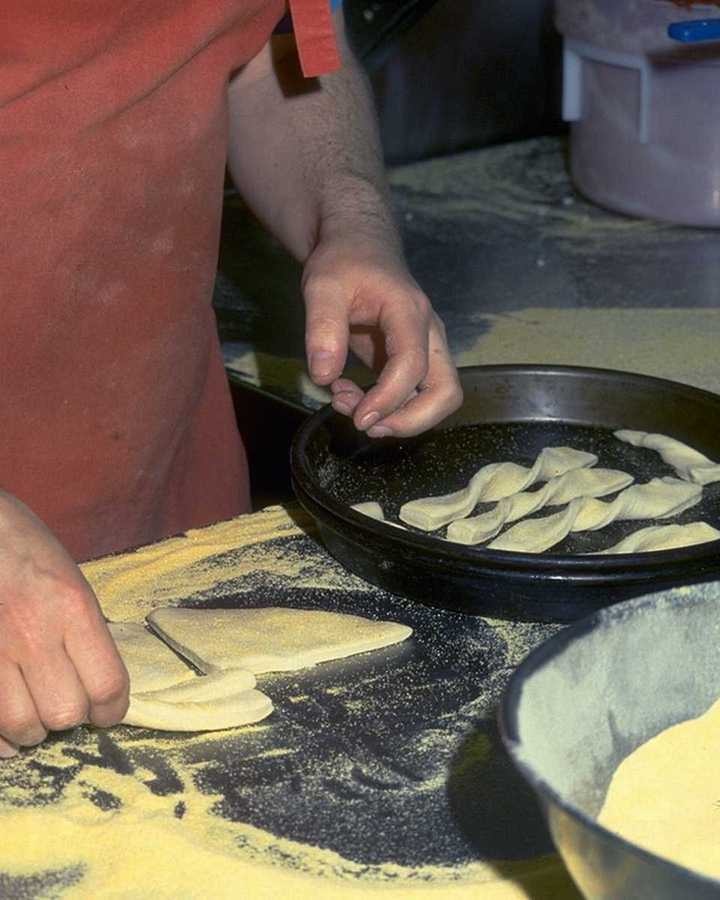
x,y
306,157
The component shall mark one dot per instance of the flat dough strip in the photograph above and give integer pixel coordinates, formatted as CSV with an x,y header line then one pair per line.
x,y
151,665
199,689
242,708
269,639
660,498
557,492
690,464
664,537
493,482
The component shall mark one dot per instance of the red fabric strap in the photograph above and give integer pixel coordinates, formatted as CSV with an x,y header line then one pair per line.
x,y
315,36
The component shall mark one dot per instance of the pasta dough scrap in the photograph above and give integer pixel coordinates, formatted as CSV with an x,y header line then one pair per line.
x,y
665,537
663,796
557,492
657,499
151,665
493,482
373,509
370,508
241,708
269,639
690,464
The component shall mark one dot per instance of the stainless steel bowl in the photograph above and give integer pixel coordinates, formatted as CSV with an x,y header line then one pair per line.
x,y
584,700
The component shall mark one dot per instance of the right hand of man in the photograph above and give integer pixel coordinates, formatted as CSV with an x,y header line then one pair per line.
x,y
58,664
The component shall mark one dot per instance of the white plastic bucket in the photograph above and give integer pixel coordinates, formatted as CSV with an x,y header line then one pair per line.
x,y
644,109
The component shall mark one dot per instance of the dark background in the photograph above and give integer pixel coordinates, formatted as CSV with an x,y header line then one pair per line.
x,y
451,75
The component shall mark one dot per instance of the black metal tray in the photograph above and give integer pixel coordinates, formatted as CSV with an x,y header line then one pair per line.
x,y
510,413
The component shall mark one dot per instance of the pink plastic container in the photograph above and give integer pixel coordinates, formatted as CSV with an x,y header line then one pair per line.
x,y
644,109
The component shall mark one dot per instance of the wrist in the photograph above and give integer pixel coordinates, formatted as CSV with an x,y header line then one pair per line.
x,y
355,208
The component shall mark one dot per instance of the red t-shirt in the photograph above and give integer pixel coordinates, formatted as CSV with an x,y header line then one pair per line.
x,y
116,422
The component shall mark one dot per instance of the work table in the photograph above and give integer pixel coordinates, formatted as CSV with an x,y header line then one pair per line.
x,y
379,773
382,773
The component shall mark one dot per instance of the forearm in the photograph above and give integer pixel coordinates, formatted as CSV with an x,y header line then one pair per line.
x,y
306,156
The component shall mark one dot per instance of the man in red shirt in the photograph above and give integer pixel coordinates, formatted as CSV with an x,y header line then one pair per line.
x,y
117,119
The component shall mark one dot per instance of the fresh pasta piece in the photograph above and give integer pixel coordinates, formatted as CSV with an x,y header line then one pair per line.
x,y
557,492
493,482
370,508
664,537
690,464
373,510
659,498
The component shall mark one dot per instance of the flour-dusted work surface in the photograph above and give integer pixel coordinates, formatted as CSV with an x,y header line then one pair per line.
x,y
519,266
378,774
677,344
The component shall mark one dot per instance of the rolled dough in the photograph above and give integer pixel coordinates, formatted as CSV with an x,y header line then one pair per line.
x,y
493,482
690,464
269,639
242,708
664,796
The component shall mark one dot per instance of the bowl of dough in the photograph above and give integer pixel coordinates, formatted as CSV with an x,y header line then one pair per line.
x,y
615,723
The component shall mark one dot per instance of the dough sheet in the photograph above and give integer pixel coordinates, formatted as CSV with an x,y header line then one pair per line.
x,y
269,639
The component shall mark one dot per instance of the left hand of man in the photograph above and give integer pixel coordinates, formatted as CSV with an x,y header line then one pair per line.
x,y
360,296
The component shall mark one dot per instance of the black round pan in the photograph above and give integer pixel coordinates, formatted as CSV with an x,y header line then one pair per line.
x,y
509,414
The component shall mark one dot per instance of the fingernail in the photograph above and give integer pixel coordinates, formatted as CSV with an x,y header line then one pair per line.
x,y
8,752
380,431
370,419
321,363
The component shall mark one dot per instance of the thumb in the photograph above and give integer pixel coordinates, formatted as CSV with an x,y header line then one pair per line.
x,y
326,331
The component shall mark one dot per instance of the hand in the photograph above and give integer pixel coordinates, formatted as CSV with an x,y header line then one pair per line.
x,y
360,296
58,664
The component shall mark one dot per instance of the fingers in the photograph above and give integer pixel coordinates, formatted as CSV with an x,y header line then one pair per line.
x,y
406,329
346,396
439,393
61,687
326,330
20,724
7,750
100,670
59,697
375,307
